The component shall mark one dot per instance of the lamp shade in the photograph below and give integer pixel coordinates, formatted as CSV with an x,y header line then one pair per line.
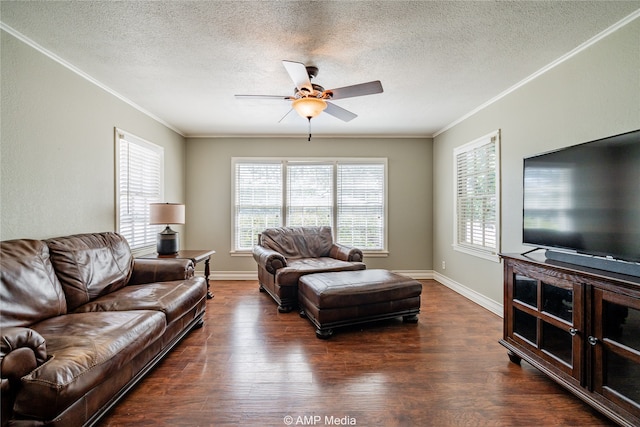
x,y
166,213
309,107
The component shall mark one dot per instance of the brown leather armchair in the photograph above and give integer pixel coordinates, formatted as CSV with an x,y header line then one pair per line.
x,y
283,254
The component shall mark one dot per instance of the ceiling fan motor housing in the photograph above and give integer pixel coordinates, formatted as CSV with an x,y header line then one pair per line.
x,y
318,92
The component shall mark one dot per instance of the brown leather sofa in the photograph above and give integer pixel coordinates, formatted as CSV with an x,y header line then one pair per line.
x,y
284,254
82,321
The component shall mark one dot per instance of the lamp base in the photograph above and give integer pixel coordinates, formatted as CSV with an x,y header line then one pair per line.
x,y
168,242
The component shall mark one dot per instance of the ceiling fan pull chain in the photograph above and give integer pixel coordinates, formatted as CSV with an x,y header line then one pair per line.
x,y
309,119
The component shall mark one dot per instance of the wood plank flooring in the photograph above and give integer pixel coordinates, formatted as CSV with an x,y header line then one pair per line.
x,y
252,366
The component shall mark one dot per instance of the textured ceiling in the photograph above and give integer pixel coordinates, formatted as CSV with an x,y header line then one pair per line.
x,y
183,61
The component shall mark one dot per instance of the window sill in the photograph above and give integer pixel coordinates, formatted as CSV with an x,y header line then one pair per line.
x,y
375,254
367,254
241,253
491,256
143,251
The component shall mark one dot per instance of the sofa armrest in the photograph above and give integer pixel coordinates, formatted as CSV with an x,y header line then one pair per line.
x,y
160,270
345,253
21,351
269,259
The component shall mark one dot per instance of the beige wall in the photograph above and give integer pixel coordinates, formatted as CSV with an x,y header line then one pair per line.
x,y
594,94
410,192
57,157
57,148
57,176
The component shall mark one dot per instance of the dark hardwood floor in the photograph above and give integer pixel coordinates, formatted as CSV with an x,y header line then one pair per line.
x,y
252,366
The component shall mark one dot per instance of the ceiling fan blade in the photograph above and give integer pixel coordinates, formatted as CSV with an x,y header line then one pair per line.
x,y
357,90
339,112
282,97
298,73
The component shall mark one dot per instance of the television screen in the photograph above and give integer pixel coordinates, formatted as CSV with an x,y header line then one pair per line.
x,y
586,198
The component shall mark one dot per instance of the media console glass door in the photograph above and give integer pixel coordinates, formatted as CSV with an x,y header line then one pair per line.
x,y
616,346
543,318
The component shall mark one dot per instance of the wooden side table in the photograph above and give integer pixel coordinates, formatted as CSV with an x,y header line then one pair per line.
x,y
195,255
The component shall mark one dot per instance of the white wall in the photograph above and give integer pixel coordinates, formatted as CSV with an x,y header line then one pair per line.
x,y
57,148
593,94
209,201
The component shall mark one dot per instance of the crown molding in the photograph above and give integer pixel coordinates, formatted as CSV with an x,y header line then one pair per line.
x,y
563,58
593,40
304,136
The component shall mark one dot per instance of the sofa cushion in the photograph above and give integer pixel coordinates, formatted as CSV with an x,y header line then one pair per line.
x,y
84,350
29,289
172,298
288,276
90,265
298,242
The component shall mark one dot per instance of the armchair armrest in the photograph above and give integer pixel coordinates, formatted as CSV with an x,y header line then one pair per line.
x,y
160,270
269,259
345,253
21,351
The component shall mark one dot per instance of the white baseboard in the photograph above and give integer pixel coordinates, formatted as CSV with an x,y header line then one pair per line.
x,y
466,292
231,275
478,298
253,275
416,274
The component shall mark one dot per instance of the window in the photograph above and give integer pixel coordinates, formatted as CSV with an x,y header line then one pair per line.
x,y
140,166
477,197
309,194
258,201
361,205
349,195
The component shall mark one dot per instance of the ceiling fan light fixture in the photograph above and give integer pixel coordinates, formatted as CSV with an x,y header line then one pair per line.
x,y
309,107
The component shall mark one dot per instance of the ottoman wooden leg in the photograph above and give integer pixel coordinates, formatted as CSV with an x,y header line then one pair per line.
x,y
324,334
321,333
284,308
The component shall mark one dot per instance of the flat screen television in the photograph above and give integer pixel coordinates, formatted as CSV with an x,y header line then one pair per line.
x,y
586,199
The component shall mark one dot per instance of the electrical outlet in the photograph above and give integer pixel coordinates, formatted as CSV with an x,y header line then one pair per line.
x,y
444,265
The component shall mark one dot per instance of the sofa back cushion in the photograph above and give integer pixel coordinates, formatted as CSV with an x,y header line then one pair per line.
x,y
90,265
29,289
298,242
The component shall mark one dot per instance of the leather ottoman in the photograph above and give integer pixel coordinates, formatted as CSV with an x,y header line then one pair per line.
x,y
331,300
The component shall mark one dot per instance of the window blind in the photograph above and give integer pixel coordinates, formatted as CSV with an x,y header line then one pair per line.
x,y
309,194
140,177
361,190
477,195
258,201
347,195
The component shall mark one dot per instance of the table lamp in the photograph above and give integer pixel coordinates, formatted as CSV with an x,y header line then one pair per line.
x,y
167,213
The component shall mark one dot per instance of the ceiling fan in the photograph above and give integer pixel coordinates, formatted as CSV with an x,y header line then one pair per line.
x,y
309,100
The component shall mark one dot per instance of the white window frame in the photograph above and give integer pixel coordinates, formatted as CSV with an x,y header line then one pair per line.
x,y
145,242
283,215
481,249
